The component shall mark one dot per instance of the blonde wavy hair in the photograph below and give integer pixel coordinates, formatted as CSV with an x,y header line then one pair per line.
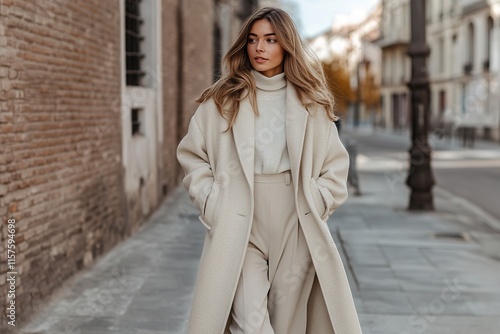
x,y
301,66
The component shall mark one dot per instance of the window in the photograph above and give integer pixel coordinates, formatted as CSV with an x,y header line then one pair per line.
x,y
442,106
133,43
469,65
463,98
489,41
137,116
217,53
454,54
472,44
441,55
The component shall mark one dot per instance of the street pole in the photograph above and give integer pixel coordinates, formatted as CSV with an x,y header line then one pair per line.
x,y
420,178
358,97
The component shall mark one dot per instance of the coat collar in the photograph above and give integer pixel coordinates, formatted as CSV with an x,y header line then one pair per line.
x,y
295,126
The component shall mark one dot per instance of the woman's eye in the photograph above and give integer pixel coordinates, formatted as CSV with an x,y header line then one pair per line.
x,y
271,40
251,40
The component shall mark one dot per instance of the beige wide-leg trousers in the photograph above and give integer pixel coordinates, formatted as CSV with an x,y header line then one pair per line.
x,y
277,274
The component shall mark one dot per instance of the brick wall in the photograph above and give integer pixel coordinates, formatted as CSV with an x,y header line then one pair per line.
x,y
171,92
190,28
198,53
61,174
60,146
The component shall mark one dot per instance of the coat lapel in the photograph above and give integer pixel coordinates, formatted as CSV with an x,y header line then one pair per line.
x,y
244,139
295,128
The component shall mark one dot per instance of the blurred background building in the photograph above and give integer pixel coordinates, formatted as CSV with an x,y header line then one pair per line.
x,y
463,65
352,63
393,42
464,37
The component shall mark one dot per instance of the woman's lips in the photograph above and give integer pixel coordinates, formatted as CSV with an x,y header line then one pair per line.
x,y
260,60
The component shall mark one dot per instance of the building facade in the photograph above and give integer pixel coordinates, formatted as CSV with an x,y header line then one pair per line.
x,y
393,42
463,36
477,106
94,98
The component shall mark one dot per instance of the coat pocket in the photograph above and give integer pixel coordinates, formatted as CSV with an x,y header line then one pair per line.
x,y
318,199
207,216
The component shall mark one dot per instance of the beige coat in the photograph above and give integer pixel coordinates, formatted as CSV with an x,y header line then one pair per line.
x,y
219,169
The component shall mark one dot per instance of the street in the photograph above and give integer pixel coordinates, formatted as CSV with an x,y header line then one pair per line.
x,y
472,173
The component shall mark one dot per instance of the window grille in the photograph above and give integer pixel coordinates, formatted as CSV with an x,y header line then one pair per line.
x,y
133,42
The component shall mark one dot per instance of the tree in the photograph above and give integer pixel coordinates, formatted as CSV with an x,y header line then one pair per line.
x,y
370,91
337,78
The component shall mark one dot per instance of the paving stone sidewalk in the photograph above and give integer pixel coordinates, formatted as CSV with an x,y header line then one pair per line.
x,y
434,272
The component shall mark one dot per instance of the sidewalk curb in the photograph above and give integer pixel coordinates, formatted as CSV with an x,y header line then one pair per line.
x,y
488,218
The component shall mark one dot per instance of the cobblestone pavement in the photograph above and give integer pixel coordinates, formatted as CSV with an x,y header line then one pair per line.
x,y
433,272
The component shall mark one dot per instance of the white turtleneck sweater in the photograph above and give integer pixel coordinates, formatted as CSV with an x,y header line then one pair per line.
x,y
271,153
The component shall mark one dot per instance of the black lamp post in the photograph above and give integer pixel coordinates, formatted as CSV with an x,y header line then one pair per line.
x,y
357,105
420,178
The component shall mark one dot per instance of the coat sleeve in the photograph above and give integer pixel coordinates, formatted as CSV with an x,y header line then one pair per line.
x,y
332,182
193,158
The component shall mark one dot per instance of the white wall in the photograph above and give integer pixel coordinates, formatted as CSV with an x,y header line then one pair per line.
x,y
141,152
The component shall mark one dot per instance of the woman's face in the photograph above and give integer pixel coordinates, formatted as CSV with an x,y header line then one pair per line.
x,y
264,50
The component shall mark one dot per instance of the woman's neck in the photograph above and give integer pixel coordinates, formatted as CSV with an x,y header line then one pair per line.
x,y
273,83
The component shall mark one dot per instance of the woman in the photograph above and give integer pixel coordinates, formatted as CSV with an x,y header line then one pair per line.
x,y
264,165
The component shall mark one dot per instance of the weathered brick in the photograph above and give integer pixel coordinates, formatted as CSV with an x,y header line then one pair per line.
x,y
49,87
3,189
4,71
13,207
3,211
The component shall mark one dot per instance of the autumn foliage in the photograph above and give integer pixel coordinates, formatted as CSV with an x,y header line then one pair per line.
x,y
370,91
337,78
